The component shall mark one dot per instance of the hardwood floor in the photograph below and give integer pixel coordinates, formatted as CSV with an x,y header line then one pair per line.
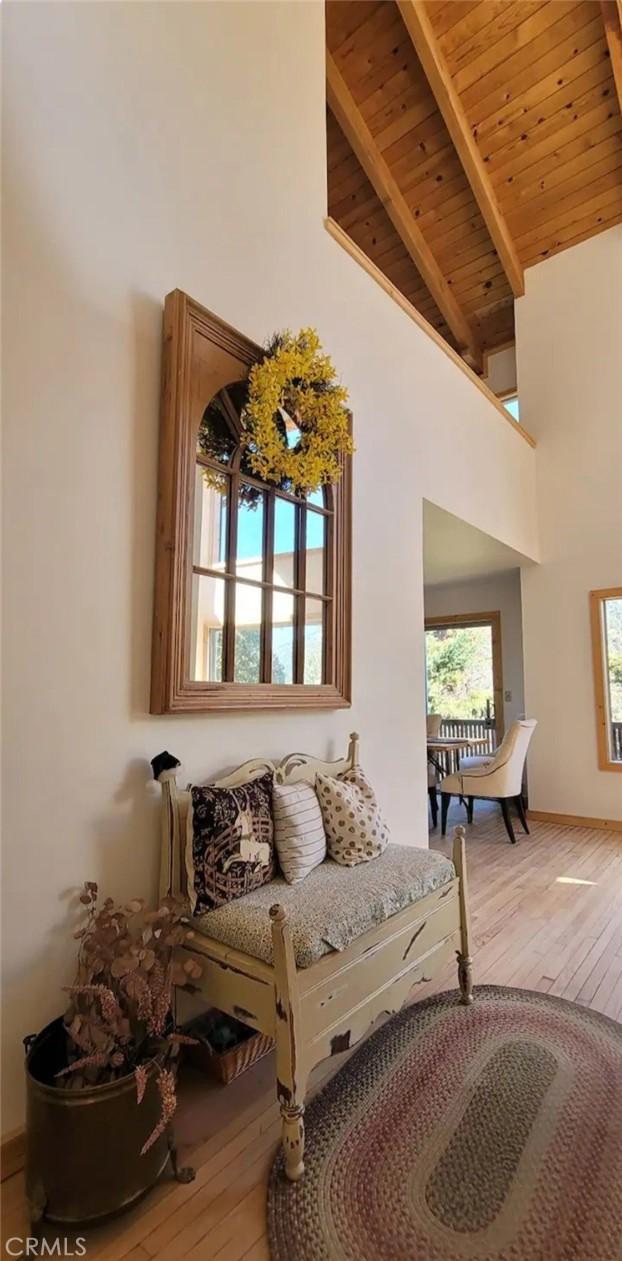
x,y
546,915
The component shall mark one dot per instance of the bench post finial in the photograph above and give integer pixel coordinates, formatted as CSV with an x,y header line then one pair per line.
x,y
165,767
353,749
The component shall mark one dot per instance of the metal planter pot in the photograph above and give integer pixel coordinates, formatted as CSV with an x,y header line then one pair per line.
x,y
83,1160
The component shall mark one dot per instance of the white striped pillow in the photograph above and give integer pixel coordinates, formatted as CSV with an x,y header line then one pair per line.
x,y
299,833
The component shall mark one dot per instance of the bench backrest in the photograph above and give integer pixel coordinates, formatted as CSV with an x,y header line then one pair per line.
x,y
176,802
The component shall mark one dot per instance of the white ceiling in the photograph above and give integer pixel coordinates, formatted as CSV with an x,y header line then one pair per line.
x,y
454,551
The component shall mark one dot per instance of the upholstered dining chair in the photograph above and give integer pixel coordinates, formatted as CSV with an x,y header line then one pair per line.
x,y
433,779
483,759
478,759
433,731
500,780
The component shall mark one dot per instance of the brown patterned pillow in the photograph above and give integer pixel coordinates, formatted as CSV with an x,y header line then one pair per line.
x,y
229,842
355,829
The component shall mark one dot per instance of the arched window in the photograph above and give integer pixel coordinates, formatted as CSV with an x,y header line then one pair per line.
x,y
252,582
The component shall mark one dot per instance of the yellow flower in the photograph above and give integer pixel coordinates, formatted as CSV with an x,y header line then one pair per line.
x,y
300,379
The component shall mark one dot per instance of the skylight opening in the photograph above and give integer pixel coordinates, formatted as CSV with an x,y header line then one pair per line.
x,y
511,405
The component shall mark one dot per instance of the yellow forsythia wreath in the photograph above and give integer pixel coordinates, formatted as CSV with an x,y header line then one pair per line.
x,y
297,379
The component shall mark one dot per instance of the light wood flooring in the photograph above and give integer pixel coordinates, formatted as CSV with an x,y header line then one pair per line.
x,y
546,915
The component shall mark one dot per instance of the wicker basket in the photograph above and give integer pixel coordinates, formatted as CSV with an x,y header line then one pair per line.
x,y
225,1066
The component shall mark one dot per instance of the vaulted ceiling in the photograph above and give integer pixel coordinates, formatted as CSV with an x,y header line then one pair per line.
x,y
470,139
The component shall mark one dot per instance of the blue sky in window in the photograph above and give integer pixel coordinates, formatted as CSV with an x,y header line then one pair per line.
x,y
250,528
511,406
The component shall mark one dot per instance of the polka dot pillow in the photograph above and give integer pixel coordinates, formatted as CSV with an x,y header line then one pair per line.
x,y
355,829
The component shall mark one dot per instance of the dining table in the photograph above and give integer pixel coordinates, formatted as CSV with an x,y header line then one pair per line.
x,y
443,750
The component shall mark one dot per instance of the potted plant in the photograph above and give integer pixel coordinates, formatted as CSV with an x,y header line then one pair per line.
x,y
101,1079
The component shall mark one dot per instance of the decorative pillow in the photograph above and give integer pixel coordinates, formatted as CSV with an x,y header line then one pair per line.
x,y
299,833
229,842
355,829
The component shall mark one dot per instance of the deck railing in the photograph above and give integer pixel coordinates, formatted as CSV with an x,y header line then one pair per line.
x,y
475,727
616,741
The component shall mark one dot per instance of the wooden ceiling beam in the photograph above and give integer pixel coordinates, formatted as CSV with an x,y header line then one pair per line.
x,y
421,32
356,131
612,18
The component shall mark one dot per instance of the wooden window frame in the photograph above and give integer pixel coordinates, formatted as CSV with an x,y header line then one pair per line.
x,y
603,719
481,619
194,336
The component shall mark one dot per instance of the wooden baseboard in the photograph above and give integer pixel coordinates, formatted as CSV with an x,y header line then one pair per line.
x,y
575,820
12,1154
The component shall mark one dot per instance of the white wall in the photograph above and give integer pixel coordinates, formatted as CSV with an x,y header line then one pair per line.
x,y
569,343
486,595
150,146
501,370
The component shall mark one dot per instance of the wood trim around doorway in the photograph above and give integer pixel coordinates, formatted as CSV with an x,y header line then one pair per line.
x,y
481,619
599,665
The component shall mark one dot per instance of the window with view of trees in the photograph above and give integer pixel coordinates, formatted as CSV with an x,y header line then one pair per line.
x,y
252,581
459,671
606,606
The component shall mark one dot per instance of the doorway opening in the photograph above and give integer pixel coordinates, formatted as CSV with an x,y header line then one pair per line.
x,y
473,646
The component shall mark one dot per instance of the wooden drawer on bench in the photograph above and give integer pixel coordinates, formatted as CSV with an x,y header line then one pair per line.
x,y
342,981
225,984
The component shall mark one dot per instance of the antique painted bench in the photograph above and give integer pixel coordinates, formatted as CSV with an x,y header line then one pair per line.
x,y
312,965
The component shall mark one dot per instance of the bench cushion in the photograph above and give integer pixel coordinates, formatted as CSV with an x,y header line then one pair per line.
x,y
332,907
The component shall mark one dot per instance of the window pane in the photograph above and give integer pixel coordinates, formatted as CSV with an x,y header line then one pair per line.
x,y
249,562
210,518
292,433
315,552
215,438
206,627
247,664
317,497
511,406
613,671
314,641
282,638
284,542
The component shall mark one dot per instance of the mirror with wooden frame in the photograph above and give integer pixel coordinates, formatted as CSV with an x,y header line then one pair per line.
x,y
253,583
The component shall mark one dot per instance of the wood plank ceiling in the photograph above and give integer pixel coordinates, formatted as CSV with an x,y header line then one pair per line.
x,y
470,139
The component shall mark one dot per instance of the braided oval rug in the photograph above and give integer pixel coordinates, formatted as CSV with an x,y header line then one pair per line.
x,y
483,1133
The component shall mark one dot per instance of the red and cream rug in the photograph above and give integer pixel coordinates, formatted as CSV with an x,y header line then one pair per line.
x,y
483,1133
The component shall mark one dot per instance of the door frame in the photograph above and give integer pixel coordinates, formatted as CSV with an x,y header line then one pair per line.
x,y
493,619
